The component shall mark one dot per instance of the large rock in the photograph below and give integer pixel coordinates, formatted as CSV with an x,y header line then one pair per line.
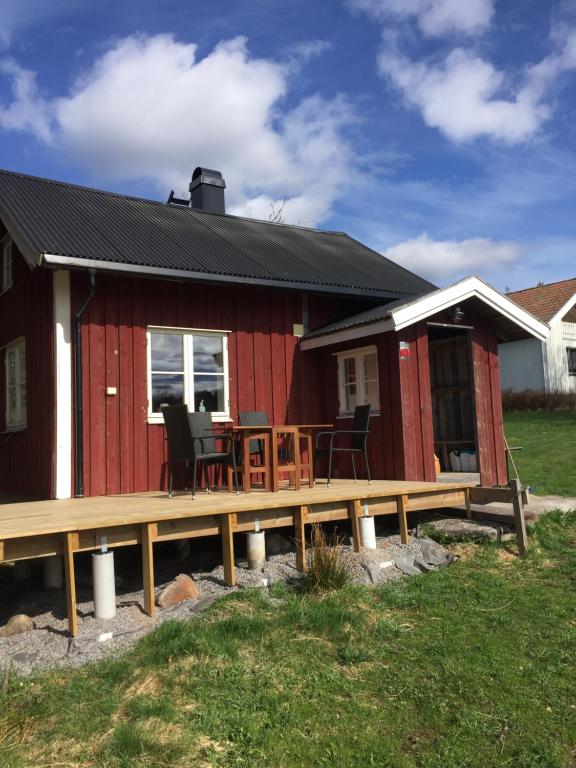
x,y
182,588
16,625
434,554
278,544
457,529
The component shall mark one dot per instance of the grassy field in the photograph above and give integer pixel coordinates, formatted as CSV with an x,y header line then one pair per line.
x,y
469,667
548,461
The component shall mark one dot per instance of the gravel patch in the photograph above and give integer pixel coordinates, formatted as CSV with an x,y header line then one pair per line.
x,y
48,645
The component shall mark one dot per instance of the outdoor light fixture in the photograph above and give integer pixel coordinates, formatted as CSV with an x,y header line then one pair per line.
x,y
457,315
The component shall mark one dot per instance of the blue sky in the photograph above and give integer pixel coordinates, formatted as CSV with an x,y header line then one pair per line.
x,y
440,132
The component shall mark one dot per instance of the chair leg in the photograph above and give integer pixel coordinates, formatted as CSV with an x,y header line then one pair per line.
x,y
207,476
329,467
170,478
194,475
367,465
354,468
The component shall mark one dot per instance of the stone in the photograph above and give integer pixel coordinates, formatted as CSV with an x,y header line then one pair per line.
x,y
182,588
434,554
278,544
374,572
405,563
16,625
458,529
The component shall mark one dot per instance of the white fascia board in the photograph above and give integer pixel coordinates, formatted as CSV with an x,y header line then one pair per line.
x,y
470,287
561,312
62,385
349,334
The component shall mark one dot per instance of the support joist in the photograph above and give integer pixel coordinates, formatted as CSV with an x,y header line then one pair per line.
x,y
354,512
227,526
402,504
300,516
148,536
70,546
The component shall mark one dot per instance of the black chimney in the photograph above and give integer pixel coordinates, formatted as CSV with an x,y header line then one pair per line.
x,y
207,191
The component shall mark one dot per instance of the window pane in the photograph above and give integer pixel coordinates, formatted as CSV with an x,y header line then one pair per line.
x,y
167,351
372,395
209,393
208,354
349,370
167,389
11,367
351,398
371,367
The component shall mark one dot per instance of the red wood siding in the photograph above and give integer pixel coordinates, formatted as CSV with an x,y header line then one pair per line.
x,y
123,453
26,309
488,396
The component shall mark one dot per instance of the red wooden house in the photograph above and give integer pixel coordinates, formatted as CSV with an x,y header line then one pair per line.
x,y
110,305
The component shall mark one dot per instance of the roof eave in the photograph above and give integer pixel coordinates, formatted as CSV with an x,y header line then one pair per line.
x,y
73,262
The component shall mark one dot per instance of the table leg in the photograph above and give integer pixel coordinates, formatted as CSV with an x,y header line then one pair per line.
x,y
246,480
297,462
70,545
149,532
274,457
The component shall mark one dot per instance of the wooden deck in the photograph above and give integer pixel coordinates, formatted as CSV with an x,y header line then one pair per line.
x,y
46,528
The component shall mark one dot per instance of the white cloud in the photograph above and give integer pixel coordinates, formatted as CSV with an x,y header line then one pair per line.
x,y
447,259
16,15
150,109
434,17
466,97
28,110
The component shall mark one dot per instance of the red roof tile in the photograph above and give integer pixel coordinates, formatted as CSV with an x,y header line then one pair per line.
x,y
544,301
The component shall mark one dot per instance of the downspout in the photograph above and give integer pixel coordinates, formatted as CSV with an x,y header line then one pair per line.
x,y
79,405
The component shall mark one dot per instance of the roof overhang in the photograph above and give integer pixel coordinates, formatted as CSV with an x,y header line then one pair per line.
x,y
414,311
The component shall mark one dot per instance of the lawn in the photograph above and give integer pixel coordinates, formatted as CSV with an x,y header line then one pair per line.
x,y
548,461
469,667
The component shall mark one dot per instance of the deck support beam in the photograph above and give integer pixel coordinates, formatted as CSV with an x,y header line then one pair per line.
x,y
149,533
227,525
354,512
402,504
70,546
468,503
300,515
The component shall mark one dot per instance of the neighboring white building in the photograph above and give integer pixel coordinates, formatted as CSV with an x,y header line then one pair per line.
x,y
550,365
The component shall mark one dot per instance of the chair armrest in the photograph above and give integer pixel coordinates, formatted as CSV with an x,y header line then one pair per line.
x,y
336,432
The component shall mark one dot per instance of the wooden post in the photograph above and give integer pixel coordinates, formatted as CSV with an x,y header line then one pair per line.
x,y
1,551
70,545
402,504
300,515
354,512
519,521
468,503
227,525
149,533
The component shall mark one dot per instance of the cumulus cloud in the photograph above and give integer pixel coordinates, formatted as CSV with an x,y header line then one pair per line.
x,y
150,109
28,111
446,259
16,15
434,17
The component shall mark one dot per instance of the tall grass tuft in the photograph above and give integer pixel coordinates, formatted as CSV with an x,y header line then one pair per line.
x,y
329,567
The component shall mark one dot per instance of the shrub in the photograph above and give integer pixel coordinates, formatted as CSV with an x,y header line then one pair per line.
x,y
328,562
537,400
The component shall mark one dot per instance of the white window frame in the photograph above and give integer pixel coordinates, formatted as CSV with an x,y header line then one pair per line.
x,y
188,334
359,356
19,421
6,275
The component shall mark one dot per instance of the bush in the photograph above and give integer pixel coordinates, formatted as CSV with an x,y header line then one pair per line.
x,y
536,400
328,562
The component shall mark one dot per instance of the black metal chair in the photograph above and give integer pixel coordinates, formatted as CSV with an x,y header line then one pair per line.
x,y
357,444
192,439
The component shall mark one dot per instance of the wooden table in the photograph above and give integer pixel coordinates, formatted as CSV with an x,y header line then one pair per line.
x,y
274,433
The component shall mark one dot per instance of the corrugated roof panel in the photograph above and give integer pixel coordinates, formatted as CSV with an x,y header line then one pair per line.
x,y
72,221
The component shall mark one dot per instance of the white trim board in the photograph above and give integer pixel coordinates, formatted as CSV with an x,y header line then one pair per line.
x,y
63,385
414,311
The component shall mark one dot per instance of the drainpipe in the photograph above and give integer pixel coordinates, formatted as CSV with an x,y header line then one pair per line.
x,y
79,421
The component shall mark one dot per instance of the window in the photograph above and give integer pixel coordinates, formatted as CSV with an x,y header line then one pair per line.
x,y
358,379
187,367
15,362
6,276
571,360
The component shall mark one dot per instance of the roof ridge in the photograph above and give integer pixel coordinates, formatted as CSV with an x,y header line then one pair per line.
x,y
59,183
544,285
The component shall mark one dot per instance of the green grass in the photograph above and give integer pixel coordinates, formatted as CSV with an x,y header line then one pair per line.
x,y
548,461
469,667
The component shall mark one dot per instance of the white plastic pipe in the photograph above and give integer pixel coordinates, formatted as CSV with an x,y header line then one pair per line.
x,y
256,550
368,532
53,574
104,585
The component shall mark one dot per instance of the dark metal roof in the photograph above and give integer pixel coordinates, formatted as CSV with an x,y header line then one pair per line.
x,y
373,315
109,230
